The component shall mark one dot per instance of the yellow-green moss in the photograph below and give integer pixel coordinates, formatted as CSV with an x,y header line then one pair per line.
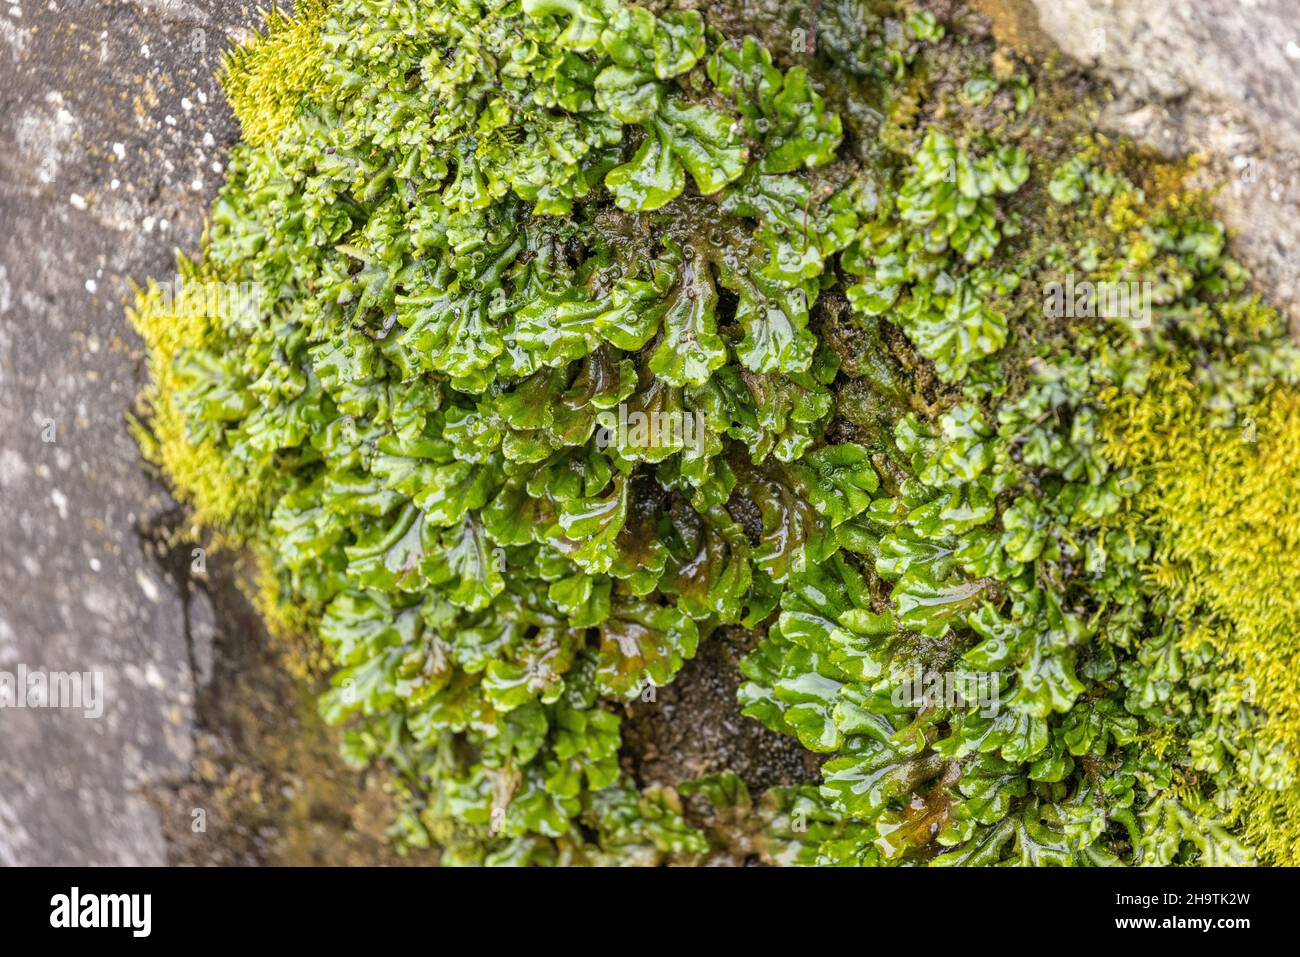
x,y
200,474
268,78
288,623
1270,822
1225,500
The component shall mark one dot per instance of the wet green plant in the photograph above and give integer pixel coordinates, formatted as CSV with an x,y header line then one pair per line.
x,y
486,235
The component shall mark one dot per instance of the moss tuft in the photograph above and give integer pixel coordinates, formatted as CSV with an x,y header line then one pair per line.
x,y
268,79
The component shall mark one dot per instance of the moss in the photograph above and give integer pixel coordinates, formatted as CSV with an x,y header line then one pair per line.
x,y
1225,499
471,266
172,320
269,78
1271,821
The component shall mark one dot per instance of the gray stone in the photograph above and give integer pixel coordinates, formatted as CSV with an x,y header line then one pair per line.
x,y
114,135
1217,78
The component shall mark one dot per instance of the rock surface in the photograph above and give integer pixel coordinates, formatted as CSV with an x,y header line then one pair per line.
x,y
208,750
1218,78
114,136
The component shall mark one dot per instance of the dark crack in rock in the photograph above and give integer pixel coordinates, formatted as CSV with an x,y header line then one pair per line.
x,y
694,726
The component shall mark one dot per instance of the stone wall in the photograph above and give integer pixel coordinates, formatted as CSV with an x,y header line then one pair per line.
x,y
1218,78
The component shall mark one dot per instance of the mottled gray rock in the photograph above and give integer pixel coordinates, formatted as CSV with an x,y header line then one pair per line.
x,y
1219,78
112,140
